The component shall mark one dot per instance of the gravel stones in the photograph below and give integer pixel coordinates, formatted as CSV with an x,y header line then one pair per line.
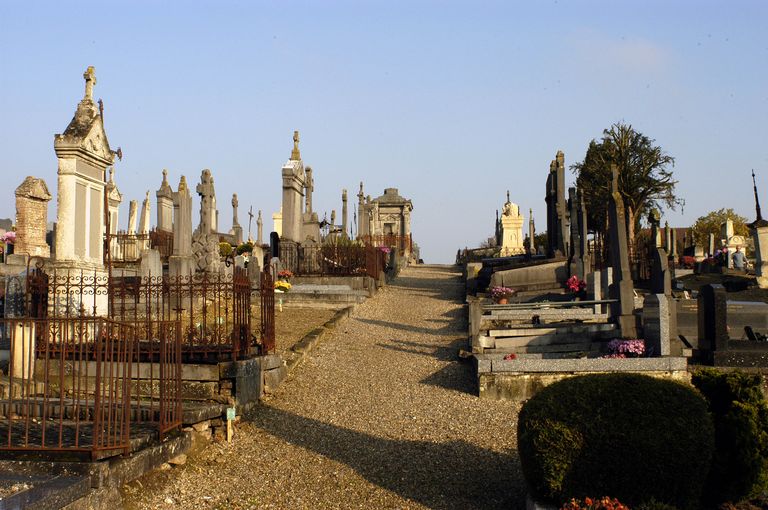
x,y
381,414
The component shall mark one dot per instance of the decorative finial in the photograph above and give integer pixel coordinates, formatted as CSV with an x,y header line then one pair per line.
x,y
90,81
147,197
507,195
165,176
757,200
111,175
295,155
183,183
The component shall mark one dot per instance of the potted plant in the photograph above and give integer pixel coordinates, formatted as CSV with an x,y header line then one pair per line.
x,y
577,286
285,275
501,295
282,286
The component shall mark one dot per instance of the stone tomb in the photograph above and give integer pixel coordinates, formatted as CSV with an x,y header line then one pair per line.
x,y
32,199
511,230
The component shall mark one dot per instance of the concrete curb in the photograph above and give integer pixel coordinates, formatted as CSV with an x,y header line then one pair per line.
x,y
311,339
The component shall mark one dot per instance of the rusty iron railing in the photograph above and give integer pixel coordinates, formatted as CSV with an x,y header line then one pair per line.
x,y
69,385
332,259
402,243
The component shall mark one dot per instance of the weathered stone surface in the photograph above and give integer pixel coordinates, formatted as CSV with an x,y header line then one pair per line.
x,y
205,241
656,324
32,199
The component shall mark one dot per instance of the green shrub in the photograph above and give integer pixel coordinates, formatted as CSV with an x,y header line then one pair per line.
x,y
225,249
634,437
246,247
740,463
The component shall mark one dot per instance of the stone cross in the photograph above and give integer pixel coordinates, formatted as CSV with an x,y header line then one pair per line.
x,y
234,210
206,192
654,218
260,227
333,218
250,219
295,155
360,194
90,81
309,187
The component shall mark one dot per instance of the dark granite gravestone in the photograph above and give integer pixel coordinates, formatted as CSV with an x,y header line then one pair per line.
x,y
583,230
713,321
622,289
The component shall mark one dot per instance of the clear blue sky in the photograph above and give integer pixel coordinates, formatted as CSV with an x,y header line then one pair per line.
x,y
451,102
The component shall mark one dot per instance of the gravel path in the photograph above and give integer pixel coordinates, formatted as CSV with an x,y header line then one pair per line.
x,y
380,415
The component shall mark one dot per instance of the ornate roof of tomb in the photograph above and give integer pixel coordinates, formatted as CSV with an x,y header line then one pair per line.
x,y
33,187
392,197
86,129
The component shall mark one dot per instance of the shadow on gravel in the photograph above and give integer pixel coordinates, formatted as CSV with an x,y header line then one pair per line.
x,y
453,474
456,376
450,329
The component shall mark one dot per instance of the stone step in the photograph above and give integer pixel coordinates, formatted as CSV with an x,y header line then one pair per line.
x,y
564,329
522,341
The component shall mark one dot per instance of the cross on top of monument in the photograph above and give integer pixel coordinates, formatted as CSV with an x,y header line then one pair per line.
x,y
295,155
90,81
507,195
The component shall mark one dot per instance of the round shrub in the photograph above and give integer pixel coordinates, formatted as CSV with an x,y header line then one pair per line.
x,y
740,464
633,437
246,247
225,249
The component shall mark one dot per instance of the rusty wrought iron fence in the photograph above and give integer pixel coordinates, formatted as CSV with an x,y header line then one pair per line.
x,y
74,385
332,259
402,243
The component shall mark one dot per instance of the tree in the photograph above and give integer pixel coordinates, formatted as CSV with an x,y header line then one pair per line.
x,y
711,222
645,177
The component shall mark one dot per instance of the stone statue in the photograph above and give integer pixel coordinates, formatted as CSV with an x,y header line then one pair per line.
x,y
234,210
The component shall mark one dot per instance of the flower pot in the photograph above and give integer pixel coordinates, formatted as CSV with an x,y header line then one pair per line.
x,y
8,249
502,301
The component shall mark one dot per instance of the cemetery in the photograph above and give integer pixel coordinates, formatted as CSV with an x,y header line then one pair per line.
x,y
214,294
123,344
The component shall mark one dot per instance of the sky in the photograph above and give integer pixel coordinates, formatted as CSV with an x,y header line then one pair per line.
x,y
453,103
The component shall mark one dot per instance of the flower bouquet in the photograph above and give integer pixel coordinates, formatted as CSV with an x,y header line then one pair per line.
x,y
284,275
501,295
617,348
282,286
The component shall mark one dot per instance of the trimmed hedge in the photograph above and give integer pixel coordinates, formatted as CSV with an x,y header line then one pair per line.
x,y
740,464
630,436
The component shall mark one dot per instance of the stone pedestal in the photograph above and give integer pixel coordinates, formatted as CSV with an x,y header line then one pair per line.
x,y
164,197
512,235
760,235
151,265
181,265
310,229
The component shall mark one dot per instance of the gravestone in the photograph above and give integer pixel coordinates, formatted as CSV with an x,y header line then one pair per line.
x,y
151,266
237,230
531,232
182,263
32,199
622,288
144,219
344,225
293,185
595,289
205,242
711,245
661,281
133,206
656,326
557,229
260,230
576,262
164,197
713,320
586,258
362,220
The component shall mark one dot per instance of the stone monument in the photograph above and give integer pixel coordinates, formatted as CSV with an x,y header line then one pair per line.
x,y
622,288
237,230
310,230
344,225
293,185
32,199
164,197
259,230
182,262
759,230
511,230
557,228
83,154
531,232
205,242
